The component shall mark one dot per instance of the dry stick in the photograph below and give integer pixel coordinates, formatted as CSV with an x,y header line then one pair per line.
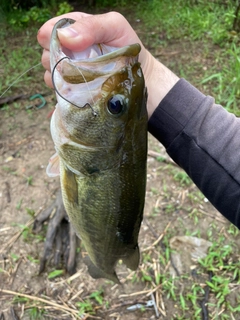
x,y
135,293
232,317
13,98
55,305
213,217
8,195
158,292
70,279
15,271
156,155
18,234
159,238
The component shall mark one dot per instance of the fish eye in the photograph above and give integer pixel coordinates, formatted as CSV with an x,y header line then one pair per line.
x,y
116,104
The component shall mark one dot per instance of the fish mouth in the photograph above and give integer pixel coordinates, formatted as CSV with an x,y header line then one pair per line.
x,y
97,53
78,76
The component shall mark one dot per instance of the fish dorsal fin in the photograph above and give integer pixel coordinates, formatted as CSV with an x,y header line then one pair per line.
x,y
53,168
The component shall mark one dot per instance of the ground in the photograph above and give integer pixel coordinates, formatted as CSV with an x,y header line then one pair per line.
x,y
174,207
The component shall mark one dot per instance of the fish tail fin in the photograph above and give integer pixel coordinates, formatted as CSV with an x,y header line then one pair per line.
x,y
132,259
97,273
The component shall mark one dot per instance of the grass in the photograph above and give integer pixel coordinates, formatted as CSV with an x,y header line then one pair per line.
x,y
21,63
207,24
185,19
225,83
213,281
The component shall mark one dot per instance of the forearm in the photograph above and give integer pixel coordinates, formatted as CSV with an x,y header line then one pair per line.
x,y
159,80
202,138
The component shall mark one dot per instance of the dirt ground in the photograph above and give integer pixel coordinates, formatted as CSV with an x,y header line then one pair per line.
x,y
174,207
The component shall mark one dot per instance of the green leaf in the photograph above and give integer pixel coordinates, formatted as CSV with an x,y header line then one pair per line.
x,y
55,273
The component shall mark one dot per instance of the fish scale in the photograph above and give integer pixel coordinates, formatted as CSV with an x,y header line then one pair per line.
x,y
101,149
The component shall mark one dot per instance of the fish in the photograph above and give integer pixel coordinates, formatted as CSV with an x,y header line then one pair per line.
x,y
99,129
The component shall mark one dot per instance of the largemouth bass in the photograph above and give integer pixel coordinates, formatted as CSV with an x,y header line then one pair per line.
x,y
99,129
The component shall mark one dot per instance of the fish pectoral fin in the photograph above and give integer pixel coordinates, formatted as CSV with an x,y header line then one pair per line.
x,y
97,273
53,168
132,258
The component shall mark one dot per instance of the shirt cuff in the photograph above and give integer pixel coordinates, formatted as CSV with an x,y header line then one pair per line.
x,y
174,112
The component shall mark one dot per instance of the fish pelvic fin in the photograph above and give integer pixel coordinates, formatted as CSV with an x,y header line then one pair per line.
x,y
53,168
97,273
132,259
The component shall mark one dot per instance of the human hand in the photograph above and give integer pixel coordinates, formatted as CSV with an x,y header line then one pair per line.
x,y
111,29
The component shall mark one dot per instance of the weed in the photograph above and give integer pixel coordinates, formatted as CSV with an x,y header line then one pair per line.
x,y
28,235
33,260
226,83
233,230
85,306
15,257
194,296
182,178
170,208
55,273
9,170
168,287
18,299
195,215
161,159
98,296
220,287
155,191
196,196
145,277
36,313
31,212
29,180
19,204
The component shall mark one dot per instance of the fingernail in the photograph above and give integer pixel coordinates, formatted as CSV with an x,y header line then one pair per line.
x,y
68,32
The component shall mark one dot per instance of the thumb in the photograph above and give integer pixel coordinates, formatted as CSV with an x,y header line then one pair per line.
x,y
110,28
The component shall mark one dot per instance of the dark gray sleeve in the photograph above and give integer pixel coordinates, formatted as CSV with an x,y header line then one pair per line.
x,y
203,139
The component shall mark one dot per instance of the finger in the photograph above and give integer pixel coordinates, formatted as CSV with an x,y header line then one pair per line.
x,y
46,59
44,33
48,79
110,28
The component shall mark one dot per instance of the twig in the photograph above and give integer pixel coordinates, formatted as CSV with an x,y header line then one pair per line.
x,y
135,293
159,238
232,317
203,303
53,304
145,220
70,279
13,98
11,241
15,271
212,216
13,314
155,305
156,155
8,191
